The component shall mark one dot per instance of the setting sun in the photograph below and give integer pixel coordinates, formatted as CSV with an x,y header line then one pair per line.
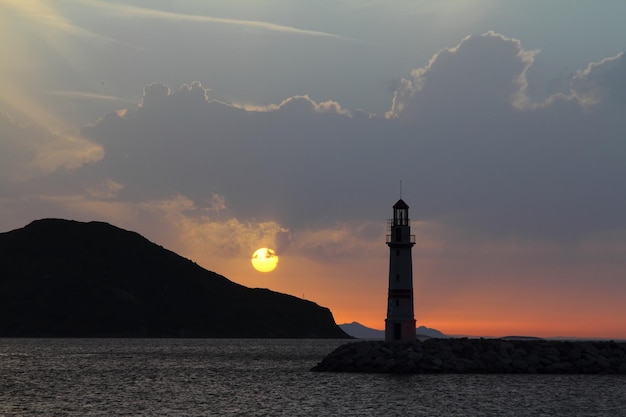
x,y
264,260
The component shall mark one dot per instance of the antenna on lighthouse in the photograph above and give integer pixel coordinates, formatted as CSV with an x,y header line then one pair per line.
x,y
400,189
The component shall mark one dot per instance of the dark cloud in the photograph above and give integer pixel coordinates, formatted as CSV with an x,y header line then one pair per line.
x,y
292,162
472,151
482,73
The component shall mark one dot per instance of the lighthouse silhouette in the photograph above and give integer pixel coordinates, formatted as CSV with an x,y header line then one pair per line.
x,y
400,321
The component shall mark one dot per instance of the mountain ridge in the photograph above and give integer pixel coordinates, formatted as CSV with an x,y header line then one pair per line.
x,y
64,278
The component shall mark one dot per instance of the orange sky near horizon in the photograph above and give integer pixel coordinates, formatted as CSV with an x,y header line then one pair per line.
x,y
522,311
456,299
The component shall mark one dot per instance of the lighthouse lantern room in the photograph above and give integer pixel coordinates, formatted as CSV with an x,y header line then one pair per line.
x,y
400,322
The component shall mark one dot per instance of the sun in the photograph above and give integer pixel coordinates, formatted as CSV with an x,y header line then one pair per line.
x,y
264,260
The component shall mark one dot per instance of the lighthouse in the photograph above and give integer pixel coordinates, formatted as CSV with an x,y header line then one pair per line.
x,y
400,322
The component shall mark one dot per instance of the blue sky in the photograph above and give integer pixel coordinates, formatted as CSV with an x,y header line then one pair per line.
x,y
215,128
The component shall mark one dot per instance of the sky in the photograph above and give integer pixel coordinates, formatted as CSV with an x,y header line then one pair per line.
x,y
215,128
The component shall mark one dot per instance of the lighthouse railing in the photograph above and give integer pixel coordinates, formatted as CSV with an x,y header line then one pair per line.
x,y
388,239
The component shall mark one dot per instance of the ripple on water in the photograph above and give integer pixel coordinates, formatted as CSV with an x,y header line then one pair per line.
x,y
199,377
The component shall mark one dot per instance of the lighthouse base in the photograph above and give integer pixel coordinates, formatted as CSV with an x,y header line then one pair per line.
x,y
400,330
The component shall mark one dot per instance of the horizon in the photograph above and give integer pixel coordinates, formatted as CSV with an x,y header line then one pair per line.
x,y
217,129
476,336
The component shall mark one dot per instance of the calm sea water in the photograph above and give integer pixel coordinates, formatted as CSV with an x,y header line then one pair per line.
x,y
251,377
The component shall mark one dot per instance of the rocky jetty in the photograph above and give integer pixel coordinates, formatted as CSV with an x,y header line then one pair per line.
x,y
466,355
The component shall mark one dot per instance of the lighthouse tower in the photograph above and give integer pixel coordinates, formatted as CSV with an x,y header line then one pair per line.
x,y
400,322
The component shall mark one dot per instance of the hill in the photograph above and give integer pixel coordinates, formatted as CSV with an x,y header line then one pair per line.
x,y
359,331
63,278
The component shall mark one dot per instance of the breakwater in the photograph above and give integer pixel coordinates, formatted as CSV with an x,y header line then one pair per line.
x,y
464,355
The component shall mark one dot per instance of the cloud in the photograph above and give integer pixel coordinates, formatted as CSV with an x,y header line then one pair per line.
x,y
488,69
602,83
341,241
133,11
85,95
510,166
469,155
472,159
45,14
32,150
183,141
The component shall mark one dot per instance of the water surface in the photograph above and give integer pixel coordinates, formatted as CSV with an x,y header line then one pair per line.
x,y
266,377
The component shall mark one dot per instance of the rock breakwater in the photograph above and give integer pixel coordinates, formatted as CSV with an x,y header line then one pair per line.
x,y
466,355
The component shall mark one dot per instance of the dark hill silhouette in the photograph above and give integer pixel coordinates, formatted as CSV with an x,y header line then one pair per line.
x,y
63,278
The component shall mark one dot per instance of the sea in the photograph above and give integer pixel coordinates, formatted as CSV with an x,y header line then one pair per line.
x,y
266,377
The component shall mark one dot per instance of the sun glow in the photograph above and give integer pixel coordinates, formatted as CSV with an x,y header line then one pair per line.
x,y
264,260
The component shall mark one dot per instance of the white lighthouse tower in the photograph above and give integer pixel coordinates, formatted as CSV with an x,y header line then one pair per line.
x,y
400,322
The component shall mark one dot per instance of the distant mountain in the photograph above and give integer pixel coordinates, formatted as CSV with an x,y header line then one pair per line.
x,y
521,338
62,278
429,332
359,331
